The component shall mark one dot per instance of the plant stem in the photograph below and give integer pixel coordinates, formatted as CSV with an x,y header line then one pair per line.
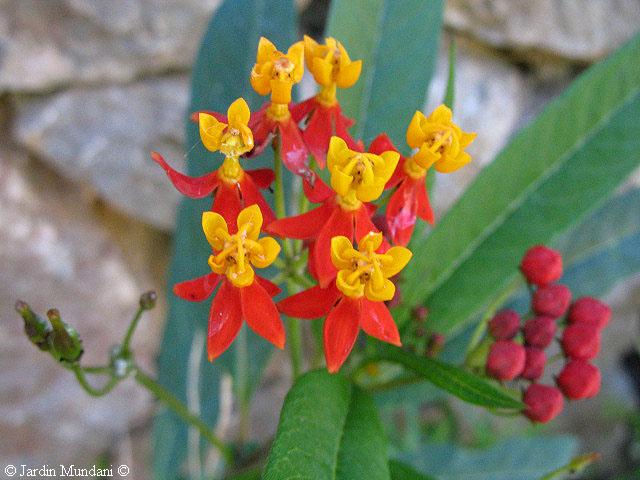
x,y
242,389
87,387
166,397
129,335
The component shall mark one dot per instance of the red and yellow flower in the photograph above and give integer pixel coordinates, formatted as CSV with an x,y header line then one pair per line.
x,y
242,293
331,68
234,188
440,143
356,299
356,178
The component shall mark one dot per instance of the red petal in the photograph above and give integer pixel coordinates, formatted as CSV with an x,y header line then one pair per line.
x,y
261,314
376,321
193,187
401,212
398,175
262,177
311,264
198,289
271,288
314,302
315,189
340,223
382,143
195,116
364,225
424,206
263,128
342,125
225,320
317,134
340,332
227,203
305,225
293,151
302,109
251,195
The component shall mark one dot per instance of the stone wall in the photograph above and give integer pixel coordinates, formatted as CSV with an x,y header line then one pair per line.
x,y
87,90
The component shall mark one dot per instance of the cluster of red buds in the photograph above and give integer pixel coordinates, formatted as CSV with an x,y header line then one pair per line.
x,y
518,350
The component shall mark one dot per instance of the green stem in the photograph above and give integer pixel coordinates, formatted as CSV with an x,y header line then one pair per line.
x,y
166,397
242,390
87,387
129,335
281,210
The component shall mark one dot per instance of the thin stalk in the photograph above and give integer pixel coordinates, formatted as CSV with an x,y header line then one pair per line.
x,y
166,397
132,328
90,389
242,389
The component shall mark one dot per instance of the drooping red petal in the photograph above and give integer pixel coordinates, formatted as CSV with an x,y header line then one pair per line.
x,y
401,213
301,110
364,225
227,203
303,226
271,288
314,302
424,206
382,143
342,125
262,177
315,189
340,332
261,314
263,129
376,320
198,289
225,320
311,259
251,195
193,187
397,176
341,222
293,151
195,116
318,132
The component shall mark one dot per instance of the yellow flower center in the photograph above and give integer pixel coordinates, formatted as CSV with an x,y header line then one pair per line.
x,y
231,172
364,272
413,170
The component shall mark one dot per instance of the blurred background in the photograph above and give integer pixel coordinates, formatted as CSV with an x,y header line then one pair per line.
x,y
89,87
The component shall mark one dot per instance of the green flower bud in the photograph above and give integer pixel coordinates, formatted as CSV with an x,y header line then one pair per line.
x,y
64,341
36,328
148,300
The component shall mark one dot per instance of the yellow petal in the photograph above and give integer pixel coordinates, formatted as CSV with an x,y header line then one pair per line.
x,y
296,55
238,113
355,289
442,114
425,157
467,138
371,240
270,251
259,82
281,91
310,46
247,136
342,252
341,182
210,131
348,74
451,165
368,192
415,135
243,278
251,216
383,294
266,49
338,152
217,267
394,260
391,160
322,71
215,229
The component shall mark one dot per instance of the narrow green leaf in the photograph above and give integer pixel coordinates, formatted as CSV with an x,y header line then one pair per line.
x,y
402,471
220,75
398,44
328,429
450,92
553,174
464,385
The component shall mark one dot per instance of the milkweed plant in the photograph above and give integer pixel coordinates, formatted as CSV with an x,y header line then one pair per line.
x,y
341,264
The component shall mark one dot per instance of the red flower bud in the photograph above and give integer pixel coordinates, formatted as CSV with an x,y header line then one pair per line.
x,y
534,363
420,313
581,340
505,360
541,265
590,310
579,379
504,325
539,331
552,300
543,402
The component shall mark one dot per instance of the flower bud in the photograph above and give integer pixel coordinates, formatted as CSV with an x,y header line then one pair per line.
x,y
543,402
506,360
435,345
64,341
35,326
541,265
534,363
148,300
539,331
590,310
420,313
579,379
551,300
581,340
504,325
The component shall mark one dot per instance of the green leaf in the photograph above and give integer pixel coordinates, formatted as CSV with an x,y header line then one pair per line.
x,y
220,75
553,174
328,429
512,459
464,385
402,471
398,44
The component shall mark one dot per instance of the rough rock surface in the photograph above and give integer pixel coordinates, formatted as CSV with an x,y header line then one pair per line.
x,y
47,44
54,250
102,138
579,30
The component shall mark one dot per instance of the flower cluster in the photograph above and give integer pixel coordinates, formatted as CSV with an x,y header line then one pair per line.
x,y
353,284
518,350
